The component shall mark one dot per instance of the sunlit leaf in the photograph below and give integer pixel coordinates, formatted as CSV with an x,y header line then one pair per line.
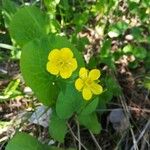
x,y
9,9
68,102
57,127
33,66
27,24
91,122
24,141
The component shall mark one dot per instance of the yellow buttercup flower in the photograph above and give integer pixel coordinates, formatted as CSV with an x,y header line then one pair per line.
x,y
88,83
61,62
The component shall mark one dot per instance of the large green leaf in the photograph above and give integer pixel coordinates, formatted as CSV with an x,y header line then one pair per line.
x,y
68,102
89,107
9,9
91,122
27,24
57,127
33,66
23,141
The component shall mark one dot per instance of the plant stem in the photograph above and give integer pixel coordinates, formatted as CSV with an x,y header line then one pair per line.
x,y
95,141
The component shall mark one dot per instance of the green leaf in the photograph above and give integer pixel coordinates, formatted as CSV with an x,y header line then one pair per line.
x,y
80,42
94,60
33,66
57,127
51,6
104,98
23,141
91,122
109,61
80,19
146,81
90,107
27,24
112,86
147,61
137,33
68,102
128,49
106,48
146,3
136,1
133,64
106,56
11,88
117,29
138,52
9,9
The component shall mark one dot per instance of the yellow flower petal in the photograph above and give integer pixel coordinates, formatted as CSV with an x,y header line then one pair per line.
x,y
79,84
94,74
73,64
96,88
87,94
54,54
52,68
65,73
61,62
66,53
83,73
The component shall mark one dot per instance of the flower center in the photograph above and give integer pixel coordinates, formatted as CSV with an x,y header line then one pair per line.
x,y
61,63
87,82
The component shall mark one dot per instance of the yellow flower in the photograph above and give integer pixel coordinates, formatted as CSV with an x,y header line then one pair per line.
x,y
88,83
61,62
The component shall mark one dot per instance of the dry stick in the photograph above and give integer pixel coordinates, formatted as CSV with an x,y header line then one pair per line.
x,y
128,113
130,108
143,132
117,146
78,128
143,143
95,141
76,137
135,146
126,145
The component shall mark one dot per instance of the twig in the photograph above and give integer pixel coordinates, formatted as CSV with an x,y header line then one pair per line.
x,y
95,141
78,128
135,146
127,113
143,132
129,107
143,143
76,137
146,97
126,140
117,146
